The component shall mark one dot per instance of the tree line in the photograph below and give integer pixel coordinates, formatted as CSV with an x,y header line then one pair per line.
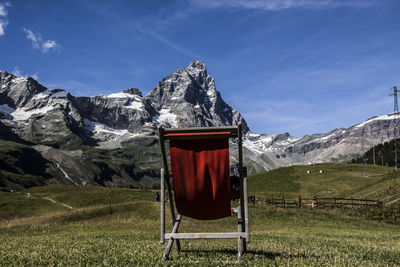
x,y
384,154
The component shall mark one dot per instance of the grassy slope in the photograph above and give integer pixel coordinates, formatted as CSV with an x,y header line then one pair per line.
x,y
121,227
337,180
21,166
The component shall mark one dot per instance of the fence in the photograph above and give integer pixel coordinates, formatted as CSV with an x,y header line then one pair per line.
x,y
319,202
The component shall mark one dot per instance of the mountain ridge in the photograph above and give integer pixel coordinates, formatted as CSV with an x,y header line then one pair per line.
x,y
122,121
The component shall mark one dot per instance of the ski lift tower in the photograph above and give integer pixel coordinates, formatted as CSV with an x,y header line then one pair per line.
x,y
395,114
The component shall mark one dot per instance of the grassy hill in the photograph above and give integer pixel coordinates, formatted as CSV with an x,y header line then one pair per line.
x,y
91,225
336,180
25,165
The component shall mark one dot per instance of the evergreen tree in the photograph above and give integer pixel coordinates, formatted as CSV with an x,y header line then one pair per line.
x,y
384,154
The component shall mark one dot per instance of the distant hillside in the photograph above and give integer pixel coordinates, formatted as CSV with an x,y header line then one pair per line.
x,y
27,165
336,180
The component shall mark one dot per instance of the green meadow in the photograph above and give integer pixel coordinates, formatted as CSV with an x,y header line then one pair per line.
x,y
88,225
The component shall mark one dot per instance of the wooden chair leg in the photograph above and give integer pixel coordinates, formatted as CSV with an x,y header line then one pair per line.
x,y
171,241
240,239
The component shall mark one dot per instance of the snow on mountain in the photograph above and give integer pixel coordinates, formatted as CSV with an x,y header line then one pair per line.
x,y
377,118
186,98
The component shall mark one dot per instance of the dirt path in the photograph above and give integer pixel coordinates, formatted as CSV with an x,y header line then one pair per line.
x,y
52,200
391,202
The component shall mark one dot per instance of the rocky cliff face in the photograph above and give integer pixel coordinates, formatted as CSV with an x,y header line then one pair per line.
x,y
126,124
36,114
188,98
339,145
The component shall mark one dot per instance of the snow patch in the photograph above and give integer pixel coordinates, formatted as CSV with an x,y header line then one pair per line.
x,y
19,80
253,146
167,117
97,127
21,114
135,104
379,118
325,137
210,93
108,136
250,134
120,95
50,93
42,95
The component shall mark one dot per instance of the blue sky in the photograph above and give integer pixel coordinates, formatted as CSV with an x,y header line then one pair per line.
x,y
297,66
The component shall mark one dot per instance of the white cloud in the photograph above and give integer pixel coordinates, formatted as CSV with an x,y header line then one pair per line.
x,y
3,17
38,43
33,37
280,4
49,44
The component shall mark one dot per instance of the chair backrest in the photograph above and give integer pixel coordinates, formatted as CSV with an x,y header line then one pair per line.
x,y
200,170
200,175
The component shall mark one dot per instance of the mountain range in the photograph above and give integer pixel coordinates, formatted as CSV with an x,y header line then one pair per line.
x,y
50,136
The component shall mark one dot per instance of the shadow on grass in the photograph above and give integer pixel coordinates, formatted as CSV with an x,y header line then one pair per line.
x,y
258,253
266,254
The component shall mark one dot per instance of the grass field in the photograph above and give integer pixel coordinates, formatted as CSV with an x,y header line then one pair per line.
x,y
337,180
77,225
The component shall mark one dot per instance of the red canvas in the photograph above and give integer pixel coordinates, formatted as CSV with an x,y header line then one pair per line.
x,y
200,171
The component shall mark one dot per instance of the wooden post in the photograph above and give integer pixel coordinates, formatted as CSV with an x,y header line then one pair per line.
x,y
299,201
240,240
241,174
246,206
166,177
171,240
162,240
351,199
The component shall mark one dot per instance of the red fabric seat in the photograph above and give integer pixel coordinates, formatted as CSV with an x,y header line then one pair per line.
x,y
201,175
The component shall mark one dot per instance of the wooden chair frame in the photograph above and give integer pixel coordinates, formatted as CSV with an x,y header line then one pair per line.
x,y
243,233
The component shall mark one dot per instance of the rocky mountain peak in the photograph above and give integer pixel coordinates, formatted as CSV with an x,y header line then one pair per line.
x,y
133,91
197,68
17,91
189,98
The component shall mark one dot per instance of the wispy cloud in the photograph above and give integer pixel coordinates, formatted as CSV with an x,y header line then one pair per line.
x,y
40,44
162,39
146,27
273,5
3,17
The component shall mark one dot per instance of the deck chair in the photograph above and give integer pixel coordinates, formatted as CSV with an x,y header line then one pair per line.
x,y
199,160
